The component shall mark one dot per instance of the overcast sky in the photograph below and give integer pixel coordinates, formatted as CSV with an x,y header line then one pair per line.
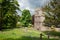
x,y
32,4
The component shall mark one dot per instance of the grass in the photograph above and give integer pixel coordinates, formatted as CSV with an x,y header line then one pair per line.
x,y
21,34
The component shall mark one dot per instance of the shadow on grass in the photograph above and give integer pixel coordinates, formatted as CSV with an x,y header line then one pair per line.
x,y
28,38
8,29
52,33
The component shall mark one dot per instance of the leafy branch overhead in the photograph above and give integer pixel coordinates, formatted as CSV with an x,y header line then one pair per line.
x,y
53,10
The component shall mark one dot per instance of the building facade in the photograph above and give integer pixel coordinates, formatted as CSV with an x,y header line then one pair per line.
x,y
39,18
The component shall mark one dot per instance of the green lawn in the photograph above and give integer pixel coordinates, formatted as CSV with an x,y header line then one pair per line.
x,y
21,34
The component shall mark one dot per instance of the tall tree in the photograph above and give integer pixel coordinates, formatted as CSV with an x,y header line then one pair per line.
x,y
53,10
8,13
26,18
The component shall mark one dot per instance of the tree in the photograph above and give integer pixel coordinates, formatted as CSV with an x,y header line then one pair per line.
x,y
53,10
8,13
26,18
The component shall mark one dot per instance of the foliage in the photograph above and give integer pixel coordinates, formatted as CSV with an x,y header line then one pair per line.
x,y
8,13
26,18
53,28
53,10
30,25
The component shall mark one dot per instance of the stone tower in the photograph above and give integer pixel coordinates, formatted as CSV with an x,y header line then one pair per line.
x,y
39,18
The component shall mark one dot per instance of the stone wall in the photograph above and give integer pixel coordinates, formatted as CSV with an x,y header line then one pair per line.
x,y
38,19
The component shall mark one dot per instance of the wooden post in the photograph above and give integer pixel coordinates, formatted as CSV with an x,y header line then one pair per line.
x,y
48,35
41,36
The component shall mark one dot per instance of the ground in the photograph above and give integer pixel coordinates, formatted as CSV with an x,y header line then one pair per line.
x,y
22,34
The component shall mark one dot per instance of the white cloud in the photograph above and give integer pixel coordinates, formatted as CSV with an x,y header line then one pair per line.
x,y
32,4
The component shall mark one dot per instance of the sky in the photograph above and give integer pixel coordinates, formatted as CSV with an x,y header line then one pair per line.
x,y
32,4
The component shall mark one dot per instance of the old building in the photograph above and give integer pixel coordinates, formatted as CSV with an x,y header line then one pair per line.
x,y
38,18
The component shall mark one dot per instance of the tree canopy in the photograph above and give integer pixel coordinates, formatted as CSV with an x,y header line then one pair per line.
x,y
26,18
53,10
8,13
